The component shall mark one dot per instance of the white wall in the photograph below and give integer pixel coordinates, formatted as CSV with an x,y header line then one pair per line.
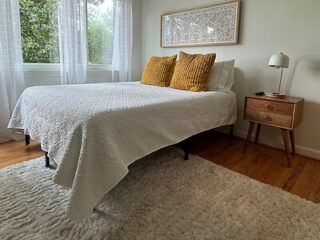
x,y
36,76
266,27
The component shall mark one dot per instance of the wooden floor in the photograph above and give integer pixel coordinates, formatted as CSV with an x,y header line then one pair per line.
x,y
16,152
262,163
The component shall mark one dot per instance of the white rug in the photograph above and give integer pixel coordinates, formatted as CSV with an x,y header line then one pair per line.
x,y
163,197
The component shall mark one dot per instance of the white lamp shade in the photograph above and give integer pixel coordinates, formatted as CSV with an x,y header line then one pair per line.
x,y
279,60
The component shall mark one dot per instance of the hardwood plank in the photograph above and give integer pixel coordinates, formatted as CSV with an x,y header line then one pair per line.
x,y
293,176
278,172
307,181
16,151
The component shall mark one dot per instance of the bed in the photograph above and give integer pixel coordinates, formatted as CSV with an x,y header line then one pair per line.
x,y
95,131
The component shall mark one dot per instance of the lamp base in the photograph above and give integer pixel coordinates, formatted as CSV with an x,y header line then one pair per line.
x,y
275,95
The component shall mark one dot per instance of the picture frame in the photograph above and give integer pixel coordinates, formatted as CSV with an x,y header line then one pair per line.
x,y
216,24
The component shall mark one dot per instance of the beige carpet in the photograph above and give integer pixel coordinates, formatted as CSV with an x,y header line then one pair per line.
x,y
163,197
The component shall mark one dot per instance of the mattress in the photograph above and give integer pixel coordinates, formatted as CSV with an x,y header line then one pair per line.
x,y
95,131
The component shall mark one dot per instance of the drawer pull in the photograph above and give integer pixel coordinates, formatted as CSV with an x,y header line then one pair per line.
x,y
270,107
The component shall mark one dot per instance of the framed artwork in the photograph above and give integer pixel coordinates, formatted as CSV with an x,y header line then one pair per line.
x,y
216,24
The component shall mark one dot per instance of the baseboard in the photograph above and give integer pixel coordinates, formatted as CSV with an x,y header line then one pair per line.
x,y
308,152
277,143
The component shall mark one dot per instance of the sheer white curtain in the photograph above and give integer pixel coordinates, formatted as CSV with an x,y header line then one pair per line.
x,y
11,69
73,41
122,41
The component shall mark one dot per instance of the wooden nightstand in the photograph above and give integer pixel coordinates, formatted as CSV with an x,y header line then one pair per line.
x,y
283,113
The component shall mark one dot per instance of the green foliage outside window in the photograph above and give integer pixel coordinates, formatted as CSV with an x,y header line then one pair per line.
x,y
40,31
100,32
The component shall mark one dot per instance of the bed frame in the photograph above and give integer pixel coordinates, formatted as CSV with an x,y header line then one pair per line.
x,y
47,160
184,145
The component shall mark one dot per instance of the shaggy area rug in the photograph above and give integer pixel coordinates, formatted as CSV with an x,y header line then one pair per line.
x,y
163,197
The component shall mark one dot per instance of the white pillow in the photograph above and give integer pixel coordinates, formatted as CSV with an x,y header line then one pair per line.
x,y
221,76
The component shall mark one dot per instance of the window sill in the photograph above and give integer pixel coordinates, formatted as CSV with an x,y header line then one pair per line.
x,y
55,67
99,67
41,67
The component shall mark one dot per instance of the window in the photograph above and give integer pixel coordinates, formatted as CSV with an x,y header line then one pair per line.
x,y
40,31
100,31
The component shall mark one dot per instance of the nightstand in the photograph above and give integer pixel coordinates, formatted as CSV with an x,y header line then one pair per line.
x,y
284,113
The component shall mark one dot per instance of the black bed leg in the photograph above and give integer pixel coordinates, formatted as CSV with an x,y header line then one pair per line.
x,y
231,131
186,149
47,160
53,165
27,138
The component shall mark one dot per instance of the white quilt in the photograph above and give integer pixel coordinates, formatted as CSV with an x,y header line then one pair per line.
x,y
95,131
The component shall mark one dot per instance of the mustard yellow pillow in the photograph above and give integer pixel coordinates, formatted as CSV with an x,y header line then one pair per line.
x,y
192,72
158,71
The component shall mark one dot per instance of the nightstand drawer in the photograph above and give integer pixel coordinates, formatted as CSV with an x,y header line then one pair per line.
x,y
269,106
270,118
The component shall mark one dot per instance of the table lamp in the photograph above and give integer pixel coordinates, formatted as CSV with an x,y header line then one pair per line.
x,y
278,61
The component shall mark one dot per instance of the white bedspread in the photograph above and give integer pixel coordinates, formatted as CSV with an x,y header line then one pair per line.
x,y
95,131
